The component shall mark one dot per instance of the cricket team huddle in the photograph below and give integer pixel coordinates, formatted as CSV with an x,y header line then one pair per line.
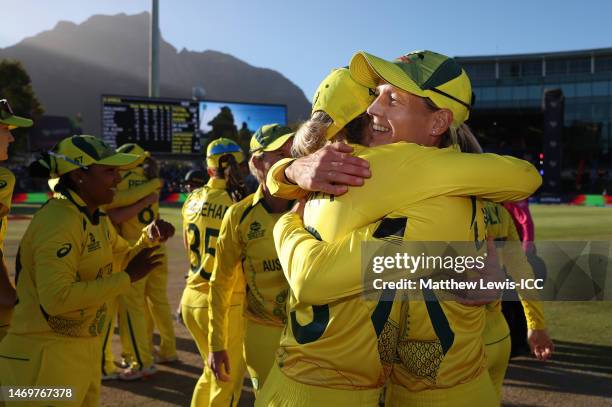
x,y
275,285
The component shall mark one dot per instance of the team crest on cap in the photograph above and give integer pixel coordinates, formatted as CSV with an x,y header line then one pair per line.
x,y
405,59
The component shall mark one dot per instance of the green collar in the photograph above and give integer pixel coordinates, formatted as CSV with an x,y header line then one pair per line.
x,y
70,195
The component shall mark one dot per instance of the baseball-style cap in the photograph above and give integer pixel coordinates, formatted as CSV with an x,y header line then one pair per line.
x,y
270,137
422,73
342,98
133,148
220,147
81,151
8,118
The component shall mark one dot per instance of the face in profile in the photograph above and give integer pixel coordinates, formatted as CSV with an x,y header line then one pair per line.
x,y
397,115
265,160
98,184
6,138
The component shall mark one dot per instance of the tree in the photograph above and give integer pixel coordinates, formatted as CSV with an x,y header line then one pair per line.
x,y
223,125
16,87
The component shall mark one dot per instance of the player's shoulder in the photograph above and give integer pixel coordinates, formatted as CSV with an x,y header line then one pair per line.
x,y
241,209
59,216
387,158
7,176
399,149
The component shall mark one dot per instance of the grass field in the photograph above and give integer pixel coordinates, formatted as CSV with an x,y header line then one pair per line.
x,y
580,374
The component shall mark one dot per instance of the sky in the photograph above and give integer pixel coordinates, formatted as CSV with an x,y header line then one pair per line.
x,y
305,39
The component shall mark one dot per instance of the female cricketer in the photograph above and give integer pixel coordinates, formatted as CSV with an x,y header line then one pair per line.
x,y
148,299
443,347
65,274
8,121
245,247
202,215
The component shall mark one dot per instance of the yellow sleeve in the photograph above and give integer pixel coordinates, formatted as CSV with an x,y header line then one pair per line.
x,y
228,254
7,185
518,267
445,171
125,197
319,272
56,276
404,174
277,183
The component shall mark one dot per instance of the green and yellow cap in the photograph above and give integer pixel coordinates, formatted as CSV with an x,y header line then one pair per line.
x,y
342,98
422,73
220,147
82,151
8,118
133,148
269,137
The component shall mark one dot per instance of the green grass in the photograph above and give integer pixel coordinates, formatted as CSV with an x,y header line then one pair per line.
x,y
583,322
562,222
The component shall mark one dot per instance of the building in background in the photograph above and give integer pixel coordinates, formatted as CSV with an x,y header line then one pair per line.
x,y
508,113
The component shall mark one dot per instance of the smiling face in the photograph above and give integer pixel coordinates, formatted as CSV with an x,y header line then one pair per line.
x,y
401,116
6,138
261,163
97,185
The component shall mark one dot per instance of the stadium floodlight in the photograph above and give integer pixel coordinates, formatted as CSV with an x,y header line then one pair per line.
x,y
154,50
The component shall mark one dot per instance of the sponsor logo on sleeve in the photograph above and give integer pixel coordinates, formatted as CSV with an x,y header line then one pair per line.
x,y
64,250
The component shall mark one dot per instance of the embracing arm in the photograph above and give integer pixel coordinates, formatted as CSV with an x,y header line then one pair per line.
x,y
123,213
125,197
319,272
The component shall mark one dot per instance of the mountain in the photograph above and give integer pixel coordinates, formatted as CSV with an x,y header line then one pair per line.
x,y
72,65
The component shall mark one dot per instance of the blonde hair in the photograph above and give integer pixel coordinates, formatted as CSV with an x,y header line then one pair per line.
x,y
310,137
465,139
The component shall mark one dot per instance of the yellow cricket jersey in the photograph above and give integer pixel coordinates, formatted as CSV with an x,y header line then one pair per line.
x,y
443,345
64,270
7,184
246,247
133,179
501,227
203,213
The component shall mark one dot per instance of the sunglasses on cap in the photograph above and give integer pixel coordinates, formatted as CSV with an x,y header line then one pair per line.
x,y
461,102
68,159
5,109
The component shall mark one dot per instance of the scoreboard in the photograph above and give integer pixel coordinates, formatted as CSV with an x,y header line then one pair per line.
x,y
181,126
160,125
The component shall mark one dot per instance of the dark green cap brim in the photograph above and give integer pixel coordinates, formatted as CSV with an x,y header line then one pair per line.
x,y
17,121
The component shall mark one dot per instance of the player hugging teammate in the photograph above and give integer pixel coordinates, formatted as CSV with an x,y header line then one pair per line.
x,y
274,287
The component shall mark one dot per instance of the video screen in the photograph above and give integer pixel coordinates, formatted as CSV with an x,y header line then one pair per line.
x,y
182,126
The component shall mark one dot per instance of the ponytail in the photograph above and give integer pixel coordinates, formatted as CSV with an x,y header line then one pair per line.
x,y
466,140
230,171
